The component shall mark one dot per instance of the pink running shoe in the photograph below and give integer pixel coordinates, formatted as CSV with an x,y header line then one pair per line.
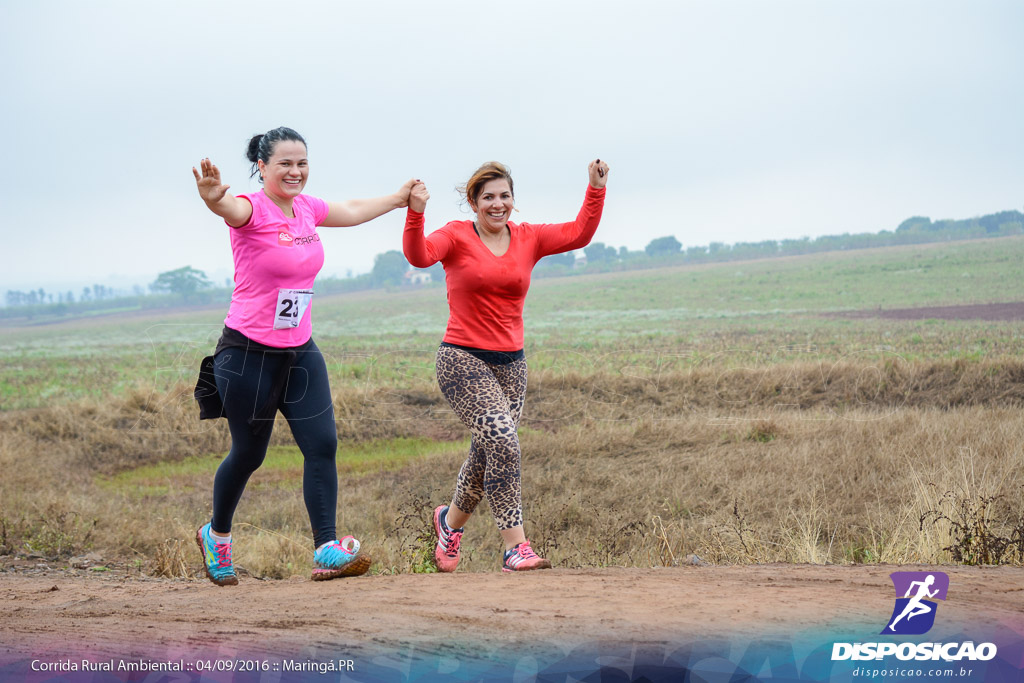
x,y
522,559
446,554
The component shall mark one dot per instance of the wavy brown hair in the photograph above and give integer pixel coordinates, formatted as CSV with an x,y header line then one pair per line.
x,y
492,170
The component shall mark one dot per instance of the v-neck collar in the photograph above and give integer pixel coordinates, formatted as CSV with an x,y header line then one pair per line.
x,y
280,210
476,231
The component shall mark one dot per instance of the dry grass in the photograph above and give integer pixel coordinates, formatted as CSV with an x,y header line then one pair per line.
x,y
873,462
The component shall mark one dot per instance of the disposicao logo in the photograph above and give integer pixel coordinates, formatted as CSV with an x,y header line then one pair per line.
x,y
914,612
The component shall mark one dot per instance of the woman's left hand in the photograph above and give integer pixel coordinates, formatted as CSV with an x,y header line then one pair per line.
x,y
403,192
419,198
598,173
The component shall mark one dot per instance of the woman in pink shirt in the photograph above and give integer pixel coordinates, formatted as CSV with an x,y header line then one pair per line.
x,y
267,334
481,366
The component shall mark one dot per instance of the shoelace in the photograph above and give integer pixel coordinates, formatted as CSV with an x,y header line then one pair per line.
x,y
451,546
525,551
222,551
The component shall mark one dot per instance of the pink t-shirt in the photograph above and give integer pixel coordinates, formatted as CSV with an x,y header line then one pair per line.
x,y
273,253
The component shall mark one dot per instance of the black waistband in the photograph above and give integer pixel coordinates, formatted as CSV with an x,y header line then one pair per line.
x,y
233,339
490,357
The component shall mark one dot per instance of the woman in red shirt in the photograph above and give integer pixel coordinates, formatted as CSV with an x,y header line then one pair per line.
x,y
481,367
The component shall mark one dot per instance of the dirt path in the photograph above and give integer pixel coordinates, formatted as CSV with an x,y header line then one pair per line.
x,y
1013,310
102,616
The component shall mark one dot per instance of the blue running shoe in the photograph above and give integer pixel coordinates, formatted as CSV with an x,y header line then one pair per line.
x,y
339,558
216,558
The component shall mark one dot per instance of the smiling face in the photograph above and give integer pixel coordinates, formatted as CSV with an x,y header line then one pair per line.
x,y
493,205
286,173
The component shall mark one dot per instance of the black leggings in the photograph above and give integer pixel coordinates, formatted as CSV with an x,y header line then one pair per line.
x,y
245,380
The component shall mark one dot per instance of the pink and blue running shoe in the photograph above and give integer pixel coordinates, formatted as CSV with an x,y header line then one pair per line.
x,y
522,558
339,558
216,558
446,553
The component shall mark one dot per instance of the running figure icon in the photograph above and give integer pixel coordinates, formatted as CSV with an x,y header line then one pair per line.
x,y
917,595
916,607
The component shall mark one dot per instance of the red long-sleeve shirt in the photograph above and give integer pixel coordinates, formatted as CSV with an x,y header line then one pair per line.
x,y
486,292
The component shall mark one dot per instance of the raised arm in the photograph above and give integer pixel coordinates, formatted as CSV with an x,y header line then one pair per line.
x,y
234,210
420,251
356,211
562,237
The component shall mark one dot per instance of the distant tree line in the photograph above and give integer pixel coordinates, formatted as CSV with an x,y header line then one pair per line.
x,y
668,250
35,297
189,286
184,286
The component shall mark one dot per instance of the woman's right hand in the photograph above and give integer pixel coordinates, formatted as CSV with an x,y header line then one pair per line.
x,y
418,198
209,185
235,211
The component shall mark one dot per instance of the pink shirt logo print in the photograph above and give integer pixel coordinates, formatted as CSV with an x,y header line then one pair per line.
x,y
284,239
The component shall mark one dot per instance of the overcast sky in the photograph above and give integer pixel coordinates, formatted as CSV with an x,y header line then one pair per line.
x,y
732,120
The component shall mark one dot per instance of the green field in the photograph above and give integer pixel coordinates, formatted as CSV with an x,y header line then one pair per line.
x,y
759,311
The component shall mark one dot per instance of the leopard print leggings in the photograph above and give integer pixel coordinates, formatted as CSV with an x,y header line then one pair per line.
x,y
489,400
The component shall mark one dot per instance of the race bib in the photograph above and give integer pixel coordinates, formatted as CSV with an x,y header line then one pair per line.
x,y
291,306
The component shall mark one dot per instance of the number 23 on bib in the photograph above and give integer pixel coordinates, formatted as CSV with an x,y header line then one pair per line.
x,y
291,306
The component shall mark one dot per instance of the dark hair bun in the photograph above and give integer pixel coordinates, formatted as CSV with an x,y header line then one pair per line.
x,y
253,152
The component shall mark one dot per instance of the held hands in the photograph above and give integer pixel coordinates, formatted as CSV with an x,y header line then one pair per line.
x,y
418,197
598,174
403,192
209,185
